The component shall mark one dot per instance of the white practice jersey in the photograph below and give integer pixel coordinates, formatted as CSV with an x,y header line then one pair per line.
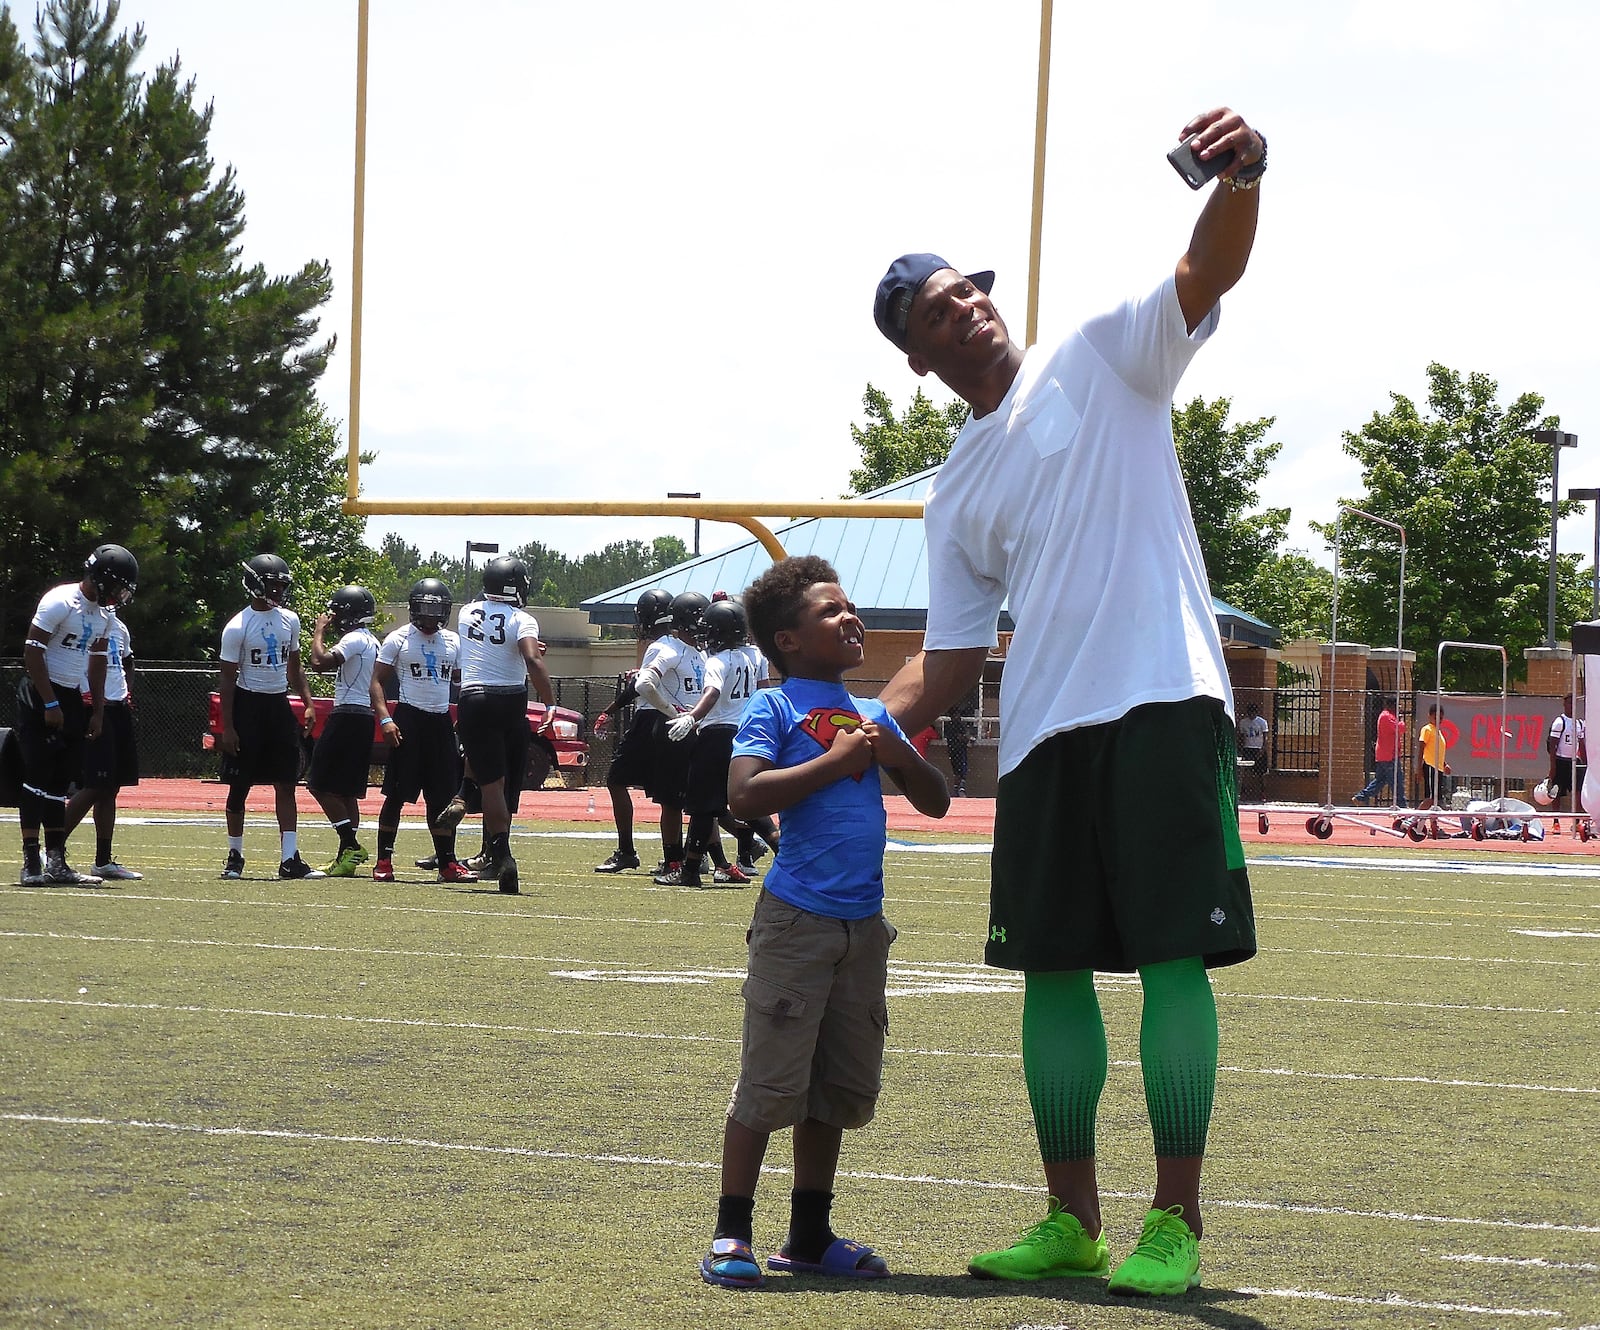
x,y
735,674
679,669
1568,734
490,632
260,643
119,646
424,663
352,687
70,627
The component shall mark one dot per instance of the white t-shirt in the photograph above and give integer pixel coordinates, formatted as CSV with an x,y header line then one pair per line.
x,y
490,656
71,628
1069,499
352,686
424,663
1253,733
679,670
119,646
1568,734
735,674
260,643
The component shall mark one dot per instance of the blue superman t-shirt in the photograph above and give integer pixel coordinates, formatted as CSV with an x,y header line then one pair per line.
x,y
830,861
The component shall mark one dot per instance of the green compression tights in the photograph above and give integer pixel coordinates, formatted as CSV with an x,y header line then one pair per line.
x,y
1064,1058
1178,1052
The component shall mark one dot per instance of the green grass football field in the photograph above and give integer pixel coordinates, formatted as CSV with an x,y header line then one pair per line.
x,y
340,1103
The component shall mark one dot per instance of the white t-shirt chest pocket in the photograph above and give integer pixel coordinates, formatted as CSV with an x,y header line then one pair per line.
x,y
1050,419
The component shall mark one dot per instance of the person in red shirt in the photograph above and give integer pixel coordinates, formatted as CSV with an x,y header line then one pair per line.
x,y
1386,759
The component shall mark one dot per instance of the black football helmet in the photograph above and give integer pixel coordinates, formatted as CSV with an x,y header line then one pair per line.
x,y
352,607
267,577
114,574
725,626
653,611
505,578
430,599
688,615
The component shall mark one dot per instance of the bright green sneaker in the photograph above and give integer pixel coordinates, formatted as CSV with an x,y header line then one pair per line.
x,y
1055,1248
344,864
1166,1261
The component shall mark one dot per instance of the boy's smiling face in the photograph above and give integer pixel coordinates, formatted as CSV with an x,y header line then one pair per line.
x,y
828,639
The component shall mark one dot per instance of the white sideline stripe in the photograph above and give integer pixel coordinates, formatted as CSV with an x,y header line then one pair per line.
x,y
1546,932
1395,1300
777,1170
1489,866
1538,1262
1343,896
693,1038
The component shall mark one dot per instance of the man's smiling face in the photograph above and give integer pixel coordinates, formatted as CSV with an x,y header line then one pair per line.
x,y
953,329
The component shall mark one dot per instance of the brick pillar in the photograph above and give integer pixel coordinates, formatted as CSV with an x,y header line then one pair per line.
x,y
1549,672
1343,736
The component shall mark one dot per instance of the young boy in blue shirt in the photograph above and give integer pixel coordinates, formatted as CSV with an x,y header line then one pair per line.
x,y
815,1014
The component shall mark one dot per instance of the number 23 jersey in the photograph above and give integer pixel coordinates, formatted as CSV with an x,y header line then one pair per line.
x,y
490,654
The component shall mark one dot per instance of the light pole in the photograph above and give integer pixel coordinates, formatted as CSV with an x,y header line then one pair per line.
x,y
481,547
679,494
1592,496
1557,439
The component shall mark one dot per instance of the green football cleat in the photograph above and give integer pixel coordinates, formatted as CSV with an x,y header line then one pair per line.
x,y
1166,1261
346,861
1057,1247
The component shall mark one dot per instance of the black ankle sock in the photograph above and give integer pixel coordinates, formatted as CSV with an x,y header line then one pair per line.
x,y
102,849
444,848
734,1217
386,841
810,1234
499,846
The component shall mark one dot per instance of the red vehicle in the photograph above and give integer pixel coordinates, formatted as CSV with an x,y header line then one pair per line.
x,y
562,748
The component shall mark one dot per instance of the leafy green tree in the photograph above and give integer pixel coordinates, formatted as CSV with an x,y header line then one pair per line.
x,y
148,381
1292,592
1472,490
1222,465
893,448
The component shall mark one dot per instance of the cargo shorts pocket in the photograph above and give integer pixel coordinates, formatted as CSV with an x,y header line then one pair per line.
x,y
772,1000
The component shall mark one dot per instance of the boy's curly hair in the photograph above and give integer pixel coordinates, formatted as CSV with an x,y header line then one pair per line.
x,y
774,600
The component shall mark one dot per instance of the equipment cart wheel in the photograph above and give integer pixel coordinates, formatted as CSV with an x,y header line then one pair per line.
x,y
1416,831
1323,828
1262,823
1585,830
1478,833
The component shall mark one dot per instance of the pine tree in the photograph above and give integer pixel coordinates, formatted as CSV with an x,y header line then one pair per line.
x,y
147,378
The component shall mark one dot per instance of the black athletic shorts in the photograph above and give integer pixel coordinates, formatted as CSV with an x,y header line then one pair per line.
x,y
112,761
1098,867
1435,786
343,756
634,762
269,741
494,735
52,759
428,760
711,751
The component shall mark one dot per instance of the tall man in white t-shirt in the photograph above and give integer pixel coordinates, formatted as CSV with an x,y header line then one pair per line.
x,y
499,654
111,758
1063,494
65,649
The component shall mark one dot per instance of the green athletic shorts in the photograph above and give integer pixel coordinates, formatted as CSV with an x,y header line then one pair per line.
x,y
1117,846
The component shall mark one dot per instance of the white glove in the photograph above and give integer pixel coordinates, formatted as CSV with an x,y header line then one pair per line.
x,y
682,728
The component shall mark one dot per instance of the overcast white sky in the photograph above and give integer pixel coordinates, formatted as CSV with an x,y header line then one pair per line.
x,y
618,250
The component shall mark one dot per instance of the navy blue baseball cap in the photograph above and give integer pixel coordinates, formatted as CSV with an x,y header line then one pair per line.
x,y
899,288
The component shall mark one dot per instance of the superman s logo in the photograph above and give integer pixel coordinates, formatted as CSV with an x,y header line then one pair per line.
x,y
825,724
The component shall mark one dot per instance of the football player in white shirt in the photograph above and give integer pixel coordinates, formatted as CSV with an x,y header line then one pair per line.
x,y
732,673
260,742
500,652
1064,495
667,685
420,660
343,755
111,759
65,647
